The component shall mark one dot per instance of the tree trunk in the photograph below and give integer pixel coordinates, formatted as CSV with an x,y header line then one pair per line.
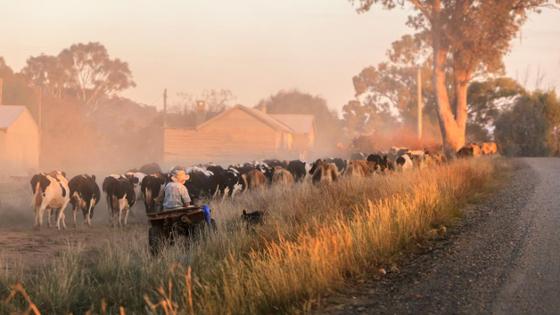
x,y
452,131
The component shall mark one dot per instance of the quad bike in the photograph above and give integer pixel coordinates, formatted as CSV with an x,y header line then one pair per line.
x,y
166,226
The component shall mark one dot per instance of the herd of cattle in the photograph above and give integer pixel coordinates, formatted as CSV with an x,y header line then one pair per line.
x,y
52,192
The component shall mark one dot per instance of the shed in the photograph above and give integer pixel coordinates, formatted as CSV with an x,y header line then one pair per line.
x,y
303,129
238,134
19,141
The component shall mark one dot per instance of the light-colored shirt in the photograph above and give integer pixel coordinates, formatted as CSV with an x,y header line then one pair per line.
x,y
176,196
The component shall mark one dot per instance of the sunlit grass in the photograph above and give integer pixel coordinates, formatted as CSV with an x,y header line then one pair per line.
x,y
314,239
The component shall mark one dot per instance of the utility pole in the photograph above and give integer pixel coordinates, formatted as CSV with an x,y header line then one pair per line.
x,y
164,108
419,101
40,110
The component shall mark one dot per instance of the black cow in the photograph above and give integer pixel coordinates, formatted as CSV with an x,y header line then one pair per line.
x,y
119,191
150,169
84,195
151,187
298,169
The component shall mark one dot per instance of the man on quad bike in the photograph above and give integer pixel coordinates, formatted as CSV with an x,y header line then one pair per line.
x,y
175,193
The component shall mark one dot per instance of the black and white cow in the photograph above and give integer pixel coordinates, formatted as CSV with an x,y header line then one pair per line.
x,y
380,162
266,169
51,194
200,184
225,181
119,191
151,187
84,195
136,179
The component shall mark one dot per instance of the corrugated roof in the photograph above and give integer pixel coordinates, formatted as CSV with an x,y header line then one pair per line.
x,y
9,114
267,119
298,123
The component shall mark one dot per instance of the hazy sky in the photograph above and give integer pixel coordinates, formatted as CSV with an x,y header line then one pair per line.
x,y
252,47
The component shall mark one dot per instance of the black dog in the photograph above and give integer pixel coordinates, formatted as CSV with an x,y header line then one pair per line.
x,y
254,218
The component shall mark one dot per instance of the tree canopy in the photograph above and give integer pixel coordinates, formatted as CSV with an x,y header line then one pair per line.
x,y
85,71
468,38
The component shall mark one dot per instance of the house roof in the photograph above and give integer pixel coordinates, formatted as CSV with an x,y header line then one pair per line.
x,y
9,114
298,123
259,115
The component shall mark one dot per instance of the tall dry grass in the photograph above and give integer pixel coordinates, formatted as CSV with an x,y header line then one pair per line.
x,y
313,239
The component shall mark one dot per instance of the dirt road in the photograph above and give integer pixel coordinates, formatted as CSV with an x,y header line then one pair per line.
x,y
504,258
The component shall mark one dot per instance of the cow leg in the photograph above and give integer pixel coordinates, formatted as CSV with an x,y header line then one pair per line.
x,y
126,211
49,214
62,216
89,212
121,209
75,214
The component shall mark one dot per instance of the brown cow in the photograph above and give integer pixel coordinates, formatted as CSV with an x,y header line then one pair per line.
x,y
324,172
281,176
254,179
469,150
359,168
489,148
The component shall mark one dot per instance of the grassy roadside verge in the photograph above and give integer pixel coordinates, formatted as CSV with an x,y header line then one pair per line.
x,y
314,239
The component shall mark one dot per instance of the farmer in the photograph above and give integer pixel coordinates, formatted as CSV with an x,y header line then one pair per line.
x,y
176,194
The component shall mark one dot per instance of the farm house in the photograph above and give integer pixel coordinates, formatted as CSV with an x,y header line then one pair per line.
x,y
240,134
19,141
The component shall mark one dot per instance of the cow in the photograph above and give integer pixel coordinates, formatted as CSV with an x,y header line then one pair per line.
x,y
358,156
404,162
298,169
275,162
340,163
380,162
150,169
151,187
469,150
266,169
489,148
200,184
282,176
418,158
254,179
324,172
395,152
358,168
120,196
241,170
84,195
136,179
51,194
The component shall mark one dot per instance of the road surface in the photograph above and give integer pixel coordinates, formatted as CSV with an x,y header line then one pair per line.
x,y
504,258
